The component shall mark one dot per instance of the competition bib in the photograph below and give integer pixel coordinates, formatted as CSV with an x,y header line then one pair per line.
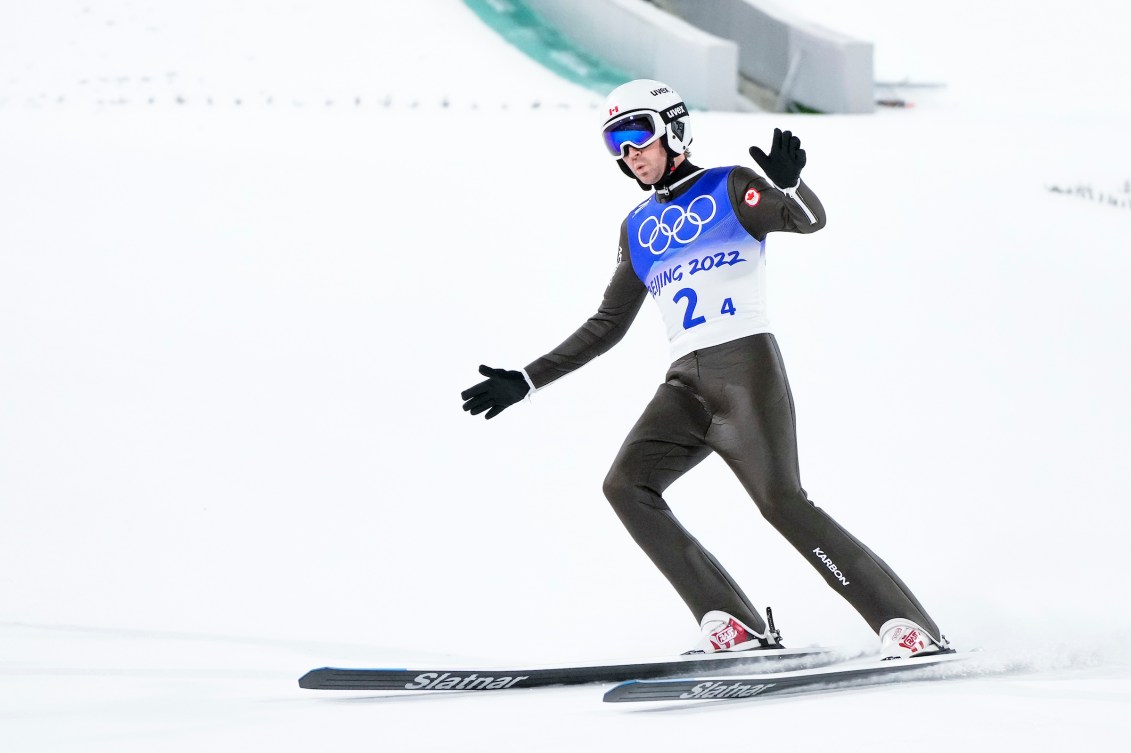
x,y
700,265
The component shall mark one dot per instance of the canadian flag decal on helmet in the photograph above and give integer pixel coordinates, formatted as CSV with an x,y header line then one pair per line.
x,y
614,110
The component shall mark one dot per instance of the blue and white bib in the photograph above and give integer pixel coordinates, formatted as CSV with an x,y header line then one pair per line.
x,y
706,273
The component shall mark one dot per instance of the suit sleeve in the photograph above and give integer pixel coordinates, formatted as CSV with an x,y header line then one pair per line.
x,y
764,208
623,298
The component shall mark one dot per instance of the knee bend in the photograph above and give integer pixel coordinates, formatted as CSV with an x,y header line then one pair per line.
x,y
618,487
626,493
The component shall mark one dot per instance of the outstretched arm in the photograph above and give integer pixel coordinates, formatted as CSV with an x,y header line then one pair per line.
x,y
622,300
623,297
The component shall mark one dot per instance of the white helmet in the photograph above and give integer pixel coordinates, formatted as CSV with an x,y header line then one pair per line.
x,y
642,111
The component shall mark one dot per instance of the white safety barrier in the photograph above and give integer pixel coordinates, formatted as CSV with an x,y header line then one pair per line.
x,y
803,62
701,46
646,42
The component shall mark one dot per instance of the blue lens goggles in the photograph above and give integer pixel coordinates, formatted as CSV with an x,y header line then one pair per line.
x,y
635,129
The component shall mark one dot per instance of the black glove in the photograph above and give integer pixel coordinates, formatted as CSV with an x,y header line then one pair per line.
x,y
783,165
502,389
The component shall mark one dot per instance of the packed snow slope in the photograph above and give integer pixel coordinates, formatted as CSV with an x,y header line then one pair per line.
x,y
251,253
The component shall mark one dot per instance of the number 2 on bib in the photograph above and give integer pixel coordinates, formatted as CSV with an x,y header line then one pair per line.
x,y
689,318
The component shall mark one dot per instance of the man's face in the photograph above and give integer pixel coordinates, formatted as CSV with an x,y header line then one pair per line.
x,y
647,164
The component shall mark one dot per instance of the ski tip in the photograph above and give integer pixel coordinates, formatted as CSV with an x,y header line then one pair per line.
x,y
618,692
313,678
337,678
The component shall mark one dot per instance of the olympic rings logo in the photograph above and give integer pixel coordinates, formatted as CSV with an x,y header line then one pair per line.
x,y
676,223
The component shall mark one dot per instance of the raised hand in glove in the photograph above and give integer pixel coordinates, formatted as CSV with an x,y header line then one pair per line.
x,y
500,390
785,160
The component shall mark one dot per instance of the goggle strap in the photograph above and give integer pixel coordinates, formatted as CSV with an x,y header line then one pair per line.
x,y
674,112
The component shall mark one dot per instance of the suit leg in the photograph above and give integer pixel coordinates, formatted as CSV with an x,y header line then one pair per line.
x,y
666,442
755,434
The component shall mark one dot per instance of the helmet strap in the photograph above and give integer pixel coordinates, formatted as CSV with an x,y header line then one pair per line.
x,y
661,185
672,154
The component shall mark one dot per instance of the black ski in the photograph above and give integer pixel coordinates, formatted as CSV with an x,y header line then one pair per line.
x,y
850,674
332,678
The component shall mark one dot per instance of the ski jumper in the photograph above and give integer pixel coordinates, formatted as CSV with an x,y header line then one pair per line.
x,y
699,252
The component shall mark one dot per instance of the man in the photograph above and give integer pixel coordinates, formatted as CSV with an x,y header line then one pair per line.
x,y
696,246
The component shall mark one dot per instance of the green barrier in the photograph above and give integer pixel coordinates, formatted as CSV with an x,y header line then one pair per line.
x,y
520,26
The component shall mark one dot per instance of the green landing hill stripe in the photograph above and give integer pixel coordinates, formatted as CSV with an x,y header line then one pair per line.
x,y
524,29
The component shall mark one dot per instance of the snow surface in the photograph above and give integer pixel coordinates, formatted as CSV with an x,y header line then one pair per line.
x,y
249,257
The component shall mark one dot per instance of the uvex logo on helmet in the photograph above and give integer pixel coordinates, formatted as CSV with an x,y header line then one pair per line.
x,y
661,90
672,113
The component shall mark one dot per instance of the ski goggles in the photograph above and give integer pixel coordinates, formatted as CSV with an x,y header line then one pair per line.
x,y
638,129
